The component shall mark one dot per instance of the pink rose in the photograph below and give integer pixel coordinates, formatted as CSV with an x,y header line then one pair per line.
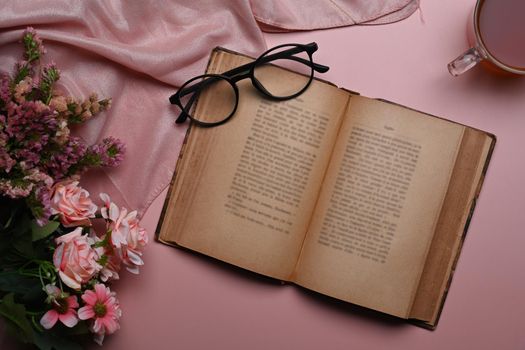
x,y
72,204
75,259
127,237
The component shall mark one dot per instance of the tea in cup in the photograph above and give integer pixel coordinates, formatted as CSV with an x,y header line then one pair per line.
x,y
497,36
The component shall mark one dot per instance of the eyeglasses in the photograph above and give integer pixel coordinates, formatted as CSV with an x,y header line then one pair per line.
x,y
266,75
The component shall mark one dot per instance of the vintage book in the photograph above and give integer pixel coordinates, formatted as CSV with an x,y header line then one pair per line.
x,y
356,198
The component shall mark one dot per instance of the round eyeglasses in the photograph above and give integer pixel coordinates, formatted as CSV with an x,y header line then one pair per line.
x,y
266,75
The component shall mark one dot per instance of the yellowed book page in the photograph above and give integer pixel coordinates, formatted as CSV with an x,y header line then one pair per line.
x,y
379,206
254,181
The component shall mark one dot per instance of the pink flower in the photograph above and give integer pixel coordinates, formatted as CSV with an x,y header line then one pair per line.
x,y
63,308
72,204
103,308
127,237
75,259
111,269
109,260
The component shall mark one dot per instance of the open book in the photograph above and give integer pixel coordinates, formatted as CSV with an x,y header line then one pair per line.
x,y
355,198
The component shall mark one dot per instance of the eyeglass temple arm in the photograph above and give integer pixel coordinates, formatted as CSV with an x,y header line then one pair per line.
x,y
288,54
183,114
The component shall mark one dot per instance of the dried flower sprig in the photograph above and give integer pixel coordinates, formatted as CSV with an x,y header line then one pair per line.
x,y
34,129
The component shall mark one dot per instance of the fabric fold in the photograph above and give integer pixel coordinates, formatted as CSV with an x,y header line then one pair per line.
x,y
291,15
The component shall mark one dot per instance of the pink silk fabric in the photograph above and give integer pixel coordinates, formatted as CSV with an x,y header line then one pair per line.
x,y
139,52
288,15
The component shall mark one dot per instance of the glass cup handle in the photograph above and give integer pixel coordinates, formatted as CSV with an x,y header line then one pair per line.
x,y
464,62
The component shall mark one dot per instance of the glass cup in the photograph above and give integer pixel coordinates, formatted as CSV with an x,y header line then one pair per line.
x,y
497,37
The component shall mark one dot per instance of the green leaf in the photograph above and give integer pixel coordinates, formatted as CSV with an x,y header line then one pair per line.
x,y
15,315
40,232
13,282
80,329
10,219
50,341
9,210
5,246
103,260
35,297
44,341
23,243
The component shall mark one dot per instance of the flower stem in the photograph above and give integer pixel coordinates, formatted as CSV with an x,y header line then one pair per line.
x,y
36,324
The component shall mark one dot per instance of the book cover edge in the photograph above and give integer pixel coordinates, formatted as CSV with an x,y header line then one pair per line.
x,y
431,325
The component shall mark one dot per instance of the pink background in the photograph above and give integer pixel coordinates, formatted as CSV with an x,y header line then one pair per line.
x,y
185,301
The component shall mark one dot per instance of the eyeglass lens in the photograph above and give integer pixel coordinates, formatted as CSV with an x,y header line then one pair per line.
x,y
270,74
215,90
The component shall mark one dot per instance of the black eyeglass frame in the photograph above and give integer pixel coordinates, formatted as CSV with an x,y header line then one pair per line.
x,y
243,72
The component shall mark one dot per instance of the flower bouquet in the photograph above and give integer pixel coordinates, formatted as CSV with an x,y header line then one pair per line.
x,y
59,250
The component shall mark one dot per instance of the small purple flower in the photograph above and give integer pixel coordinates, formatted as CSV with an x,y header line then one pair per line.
x,y
51,71
6,162
115,150
29,120
109,153
42,207
49,75
34,48
61,162
27,157
14,190
5,93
